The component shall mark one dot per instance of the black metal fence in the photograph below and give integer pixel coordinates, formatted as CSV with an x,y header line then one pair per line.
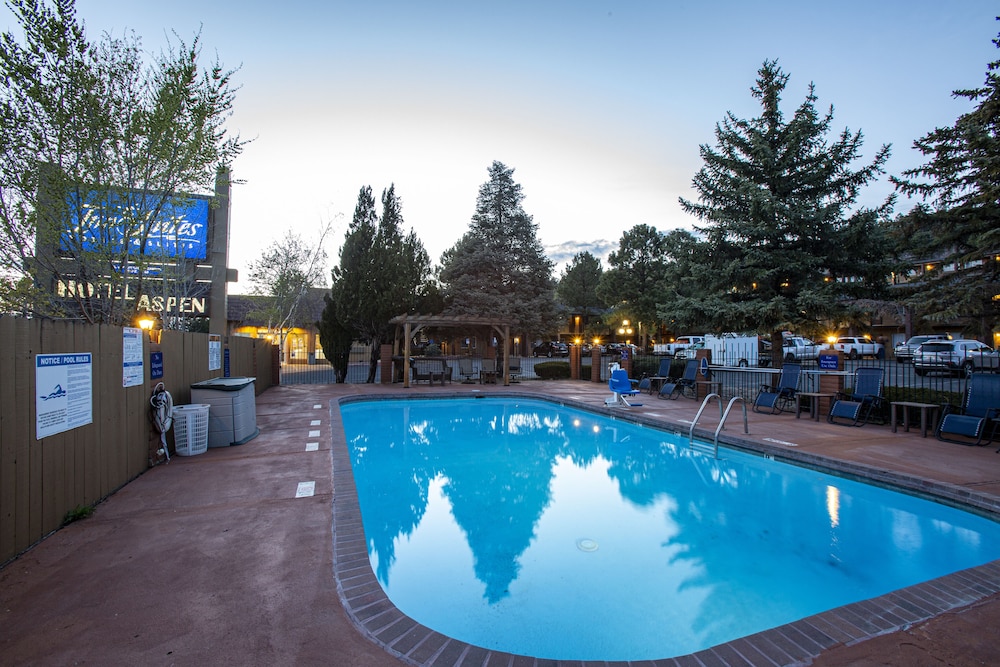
x,y
900,381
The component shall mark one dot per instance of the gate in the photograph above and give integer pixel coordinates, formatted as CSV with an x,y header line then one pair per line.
x,y
315,369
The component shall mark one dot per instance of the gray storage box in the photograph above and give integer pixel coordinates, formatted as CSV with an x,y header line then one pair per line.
x,y
232,415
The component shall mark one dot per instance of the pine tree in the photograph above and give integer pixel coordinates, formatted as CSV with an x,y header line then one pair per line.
x,y
636,276
956,230
784,245
498,269
577,287
381,274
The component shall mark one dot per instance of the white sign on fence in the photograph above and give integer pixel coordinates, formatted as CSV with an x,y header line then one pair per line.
x,y
214,352
131,357
64,387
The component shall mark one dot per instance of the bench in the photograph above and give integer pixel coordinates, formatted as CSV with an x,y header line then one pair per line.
x,y
431,371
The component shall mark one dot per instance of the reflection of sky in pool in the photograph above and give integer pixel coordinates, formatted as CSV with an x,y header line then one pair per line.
x,y
528,527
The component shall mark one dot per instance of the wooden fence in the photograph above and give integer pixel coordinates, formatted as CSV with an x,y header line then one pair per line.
x,y
43,479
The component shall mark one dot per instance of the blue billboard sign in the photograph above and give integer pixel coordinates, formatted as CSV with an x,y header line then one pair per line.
x,y
111,220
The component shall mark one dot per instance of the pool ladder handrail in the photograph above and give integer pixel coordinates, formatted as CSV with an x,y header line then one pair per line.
x,y
723,415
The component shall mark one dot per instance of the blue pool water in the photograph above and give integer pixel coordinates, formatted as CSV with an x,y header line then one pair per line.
x,y
528,527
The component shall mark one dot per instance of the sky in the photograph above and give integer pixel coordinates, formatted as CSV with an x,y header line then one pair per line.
x,y
599,107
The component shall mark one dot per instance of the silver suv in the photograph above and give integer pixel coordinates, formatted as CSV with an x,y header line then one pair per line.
x,y
946,356
905,351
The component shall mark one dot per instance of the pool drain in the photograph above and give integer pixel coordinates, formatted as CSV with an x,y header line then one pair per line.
x,y
586,545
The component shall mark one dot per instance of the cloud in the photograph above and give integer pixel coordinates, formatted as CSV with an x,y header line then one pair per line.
x,y
563,253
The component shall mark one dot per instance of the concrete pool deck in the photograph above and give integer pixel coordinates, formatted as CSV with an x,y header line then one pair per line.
x,y
213,559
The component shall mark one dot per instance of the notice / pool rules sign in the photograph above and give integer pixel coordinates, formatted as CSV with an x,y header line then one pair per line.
x,y
64,387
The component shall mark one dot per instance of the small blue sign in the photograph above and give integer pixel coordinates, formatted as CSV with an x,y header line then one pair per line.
x,y
155,365
704,367
225,363
829,362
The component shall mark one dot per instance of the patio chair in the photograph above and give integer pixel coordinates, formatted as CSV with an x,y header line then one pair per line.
x,y
514,369
488,372
774,399
653,383
673,388
467,370
856,406
621,386
980,409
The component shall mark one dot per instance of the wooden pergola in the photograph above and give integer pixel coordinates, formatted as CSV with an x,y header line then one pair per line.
x,y
412,324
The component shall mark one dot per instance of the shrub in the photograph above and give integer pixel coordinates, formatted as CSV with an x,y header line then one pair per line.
x,y
77,513
552,370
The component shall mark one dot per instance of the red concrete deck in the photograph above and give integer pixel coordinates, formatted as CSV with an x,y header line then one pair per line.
x,y
213,560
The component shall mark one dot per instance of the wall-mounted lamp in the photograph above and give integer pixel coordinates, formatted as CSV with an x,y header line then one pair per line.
x,y
151,324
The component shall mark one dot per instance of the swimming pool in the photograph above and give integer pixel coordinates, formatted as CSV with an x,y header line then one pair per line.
x,y
600,520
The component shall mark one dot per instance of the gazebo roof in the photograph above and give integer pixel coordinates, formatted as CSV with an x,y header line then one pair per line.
x,y
444,320
414,322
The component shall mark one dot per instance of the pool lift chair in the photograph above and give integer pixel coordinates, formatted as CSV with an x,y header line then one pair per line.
x,y
621,386
980,413
856,406
772,400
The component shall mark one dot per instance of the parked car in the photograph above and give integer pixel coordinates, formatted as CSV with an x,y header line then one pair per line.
x,y
859,346
985,360
904,351
550,349
947,356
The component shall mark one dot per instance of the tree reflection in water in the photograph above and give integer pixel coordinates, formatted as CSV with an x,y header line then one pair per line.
x,y
726,543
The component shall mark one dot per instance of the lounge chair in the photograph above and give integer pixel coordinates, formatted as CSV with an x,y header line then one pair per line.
x,y
467,370
774,399
621,386
673,388
980,408
662,376
857,405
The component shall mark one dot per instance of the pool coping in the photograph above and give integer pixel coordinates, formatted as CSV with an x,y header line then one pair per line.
x,y
377,618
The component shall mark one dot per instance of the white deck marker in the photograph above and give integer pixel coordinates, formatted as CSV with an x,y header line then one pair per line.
x,y
317,406
313,434
315,422
312,446
305,490
780,442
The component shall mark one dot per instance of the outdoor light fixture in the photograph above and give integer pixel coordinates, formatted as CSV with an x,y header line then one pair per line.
x,y
149,322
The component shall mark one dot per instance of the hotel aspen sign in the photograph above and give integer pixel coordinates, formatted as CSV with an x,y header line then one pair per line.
x,y
156,252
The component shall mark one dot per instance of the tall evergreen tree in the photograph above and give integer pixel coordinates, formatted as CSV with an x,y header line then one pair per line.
x,y
497,268
956,230
784,245
381,274
635,278
577,287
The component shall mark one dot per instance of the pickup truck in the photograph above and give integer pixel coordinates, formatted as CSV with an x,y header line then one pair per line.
x,y
859,346
983,360
679,343
797,348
